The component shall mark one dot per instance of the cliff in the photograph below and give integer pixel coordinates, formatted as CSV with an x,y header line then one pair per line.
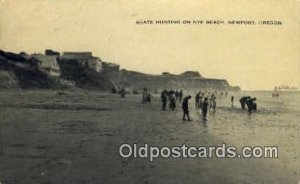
x,y
76,70
136,81
25,71
19,71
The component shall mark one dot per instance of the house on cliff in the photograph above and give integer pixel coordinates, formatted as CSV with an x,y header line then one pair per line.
x,y
85,70
48,64
85,59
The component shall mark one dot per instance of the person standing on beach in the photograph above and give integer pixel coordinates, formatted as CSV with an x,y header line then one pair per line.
x,y
176,95
172,102
170,95
149,98
122,93
214,102
144,97
180,95
205,106
201,100
197,100
232,100
163,98
185,108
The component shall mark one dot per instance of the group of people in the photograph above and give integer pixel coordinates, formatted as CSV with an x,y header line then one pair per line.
x,y
204,101
211,96
250,102
208,101
203,105
170,97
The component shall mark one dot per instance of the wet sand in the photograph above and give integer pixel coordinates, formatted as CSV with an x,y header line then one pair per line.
x,y
75,138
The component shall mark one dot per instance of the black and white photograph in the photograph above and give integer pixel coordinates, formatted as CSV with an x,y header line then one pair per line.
x,y
149,91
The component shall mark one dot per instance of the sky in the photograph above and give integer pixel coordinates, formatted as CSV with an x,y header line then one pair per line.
x,y
255,57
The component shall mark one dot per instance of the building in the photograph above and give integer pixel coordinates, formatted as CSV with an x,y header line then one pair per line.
x,y
77,55
95,63
84,58
48,63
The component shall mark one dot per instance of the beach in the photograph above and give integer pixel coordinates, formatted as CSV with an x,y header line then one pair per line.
x,y
74,137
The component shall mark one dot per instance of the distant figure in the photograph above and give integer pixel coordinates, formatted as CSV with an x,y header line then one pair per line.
x,y
275,94
185,108
170,95
163,98
122,93
221,94
197,97
180,95
213,102
172,102
201,100
232,100
252,106
146,96
205,106
113,90
176,95
243,101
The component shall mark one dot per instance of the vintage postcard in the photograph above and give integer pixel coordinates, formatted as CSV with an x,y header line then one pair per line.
x,y
149,91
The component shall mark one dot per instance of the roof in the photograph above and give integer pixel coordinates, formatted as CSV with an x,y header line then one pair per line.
x,y
77,55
